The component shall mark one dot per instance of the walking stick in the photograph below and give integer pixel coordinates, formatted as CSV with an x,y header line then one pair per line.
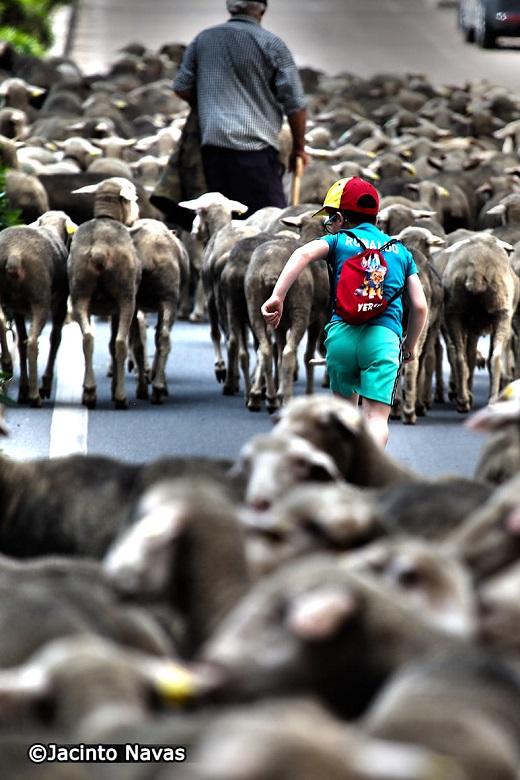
x,y
297,175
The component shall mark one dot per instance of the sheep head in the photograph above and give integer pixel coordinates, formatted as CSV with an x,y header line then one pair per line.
x,y
114,197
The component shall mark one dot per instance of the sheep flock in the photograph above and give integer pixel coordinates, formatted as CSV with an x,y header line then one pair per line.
x,y
312,609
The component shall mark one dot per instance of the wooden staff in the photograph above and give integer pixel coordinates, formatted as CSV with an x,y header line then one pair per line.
x,y
297,175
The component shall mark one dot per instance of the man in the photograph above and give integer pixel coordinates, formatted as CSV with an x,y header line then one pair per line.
x,y
242,80
363,361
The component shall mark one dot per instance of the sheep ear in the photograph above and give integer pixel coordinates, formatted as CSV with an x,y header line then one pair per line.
x,y
423,213
297,221
240,208
378,758
88,189
128,192
23,684
320,614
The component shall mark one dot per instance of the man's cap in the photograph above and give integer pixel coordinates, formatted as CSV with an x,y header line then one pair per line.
x,y
350,194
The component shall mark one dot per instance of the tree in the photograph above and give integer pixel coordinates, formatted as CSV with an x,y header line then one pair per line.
x,y
27,24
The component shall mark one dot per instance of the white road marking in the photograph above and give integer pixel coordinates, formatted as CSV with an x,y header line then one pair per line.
x,y
69,426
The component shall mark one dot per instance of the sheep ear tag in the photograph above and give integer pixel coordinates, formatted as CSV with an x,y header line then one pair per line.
x,y
175,684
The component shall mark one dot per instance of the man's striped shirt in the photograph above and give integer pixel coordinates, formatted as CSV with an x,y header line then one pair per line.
x,y
245,79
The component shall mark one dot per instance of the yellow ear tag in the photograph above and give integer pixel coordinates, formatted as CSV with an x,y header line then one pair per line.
x,y
71,229
508,392
175,684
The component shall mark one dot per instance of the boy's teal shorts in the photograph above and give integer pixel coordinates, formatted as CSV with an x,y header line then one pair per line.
x,y
363,359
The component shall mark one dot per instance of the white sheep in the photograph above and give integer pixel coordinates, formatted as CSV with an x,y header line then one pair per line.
x,y
481,295
305,312
104,273
165,271
34,286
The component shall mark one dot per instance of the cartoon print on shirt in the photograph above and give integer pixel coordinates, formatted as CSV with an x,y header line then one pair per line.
x,y
372,286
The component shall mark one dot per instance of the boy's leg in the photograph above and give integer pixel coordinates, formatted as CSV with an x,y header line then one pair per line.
x,y
375,415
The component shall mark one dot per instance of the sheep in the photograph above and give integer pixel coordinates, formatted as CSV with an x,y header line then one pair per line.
x,y
183,548
305,311
34,285
59,189
232,310
315,626
17,93
471,714
25,193
270,466
498,612
499,458
69,494
481,295
488,540
451,204
214,260
104,273
64,597
394,217
309,517
75,154
93,687
508,208
165,270
418,376
335,426
213,212
434,581
295,736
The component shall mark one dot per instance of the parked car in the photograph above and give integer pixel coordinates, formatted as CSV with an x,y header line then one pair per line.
x,y
483,21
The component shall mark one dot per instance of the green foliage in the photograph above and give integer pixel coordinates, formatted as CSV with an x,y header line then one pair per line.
x,y
8,215
27,24
4,398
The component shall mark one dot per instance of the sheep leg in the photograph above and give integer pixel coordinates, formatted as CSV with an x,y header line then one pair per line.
x,y
439,376
425,377
288,347
243,359
412,384
199,303
313,338
499,343
138,347
263,373
23,384
163,328
5,357
219,363
231,382
39,317
58,319
121,328
458,357
81,314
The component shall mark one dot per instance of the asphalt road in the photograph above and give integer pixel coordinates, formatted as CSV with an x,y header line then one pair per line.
x,y
196,419
359,36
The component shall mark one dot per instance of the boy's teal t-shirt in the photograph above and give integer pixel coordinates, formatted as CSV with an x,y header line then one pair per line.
x,y
400,265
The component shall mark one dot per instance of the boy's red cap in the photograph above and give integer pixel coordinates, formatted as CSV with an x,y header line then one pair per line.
x,y
346,195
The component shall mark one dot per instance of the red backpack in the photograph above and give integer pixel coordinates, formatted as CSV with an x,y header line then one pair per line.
x,y
359,293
